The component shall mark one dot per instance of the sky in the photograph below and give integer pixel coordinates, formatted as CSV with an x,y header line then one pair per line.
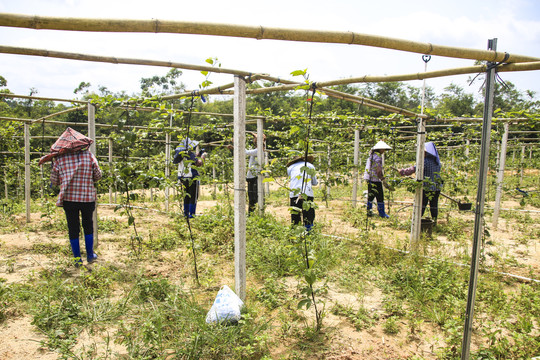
x,y
462,23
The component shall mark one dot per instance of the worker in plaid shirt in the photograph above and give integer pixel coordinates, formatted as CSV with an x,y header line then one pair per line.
x,y
75,171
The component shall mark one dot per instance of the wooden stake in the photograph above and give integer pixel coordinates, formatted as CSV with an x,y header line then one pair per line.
x,y
27,171
355,166
260,160
500,177
240,186
92,135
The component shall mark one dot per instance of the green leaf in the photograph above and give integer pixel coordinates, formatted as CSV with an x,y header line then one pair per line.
x,y
267,180
310,277
299,72
205,73
304,303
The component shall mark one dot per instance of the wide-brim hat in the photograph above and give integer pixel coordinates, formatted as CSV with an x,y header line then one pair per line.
x,y
301,158
70,141
381,145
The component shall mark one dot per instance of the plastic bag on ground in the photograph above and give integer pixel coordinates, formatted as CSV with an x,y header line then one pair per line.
x,y
226,307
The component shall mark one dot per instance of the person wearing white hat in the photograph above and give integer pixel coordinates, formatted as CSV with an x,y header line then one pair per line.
x,y
301,184
374,176
432,180
188,162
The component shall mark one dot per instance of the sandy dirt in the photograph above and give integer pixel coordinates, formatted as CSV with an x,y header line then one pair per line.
x,y
21,340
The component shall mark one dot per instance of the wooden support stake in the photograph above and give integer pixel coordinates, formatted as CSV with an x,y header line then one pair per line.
x,y
240,186
260,159
521,165
417,208
110,168
267,185
328,149
92,135
27,172
355,166
5,184
500,176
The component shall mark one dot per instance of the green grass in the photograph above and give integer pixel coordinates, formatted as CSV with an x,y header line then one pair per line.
x,y
150,305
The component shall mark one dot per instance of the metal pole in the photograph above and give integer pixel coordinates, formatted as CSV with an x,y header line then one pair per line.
x,y
355,166
240,186
500,176
92,135
479,209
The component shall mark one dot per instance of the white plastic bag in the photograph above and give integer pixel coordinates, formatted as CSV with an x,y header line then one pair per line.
x,y
226,307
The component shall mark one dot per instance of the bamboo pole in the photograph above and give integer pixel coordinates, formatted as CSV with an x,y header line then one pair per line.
x,y
60,113
118,60
254,32
38,97
240,187
500,176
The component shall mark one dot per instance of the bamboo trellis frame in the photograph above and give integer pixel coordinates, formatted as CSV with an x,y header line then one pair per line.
x,y
254,32
289,85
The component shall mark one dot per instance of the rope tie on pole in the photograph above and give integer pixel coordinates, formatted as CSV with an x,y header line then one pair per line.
x,y
493,65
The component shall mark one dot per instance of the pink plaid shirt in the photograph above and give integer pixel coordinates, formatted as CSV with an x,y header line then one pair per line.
x,y
76,174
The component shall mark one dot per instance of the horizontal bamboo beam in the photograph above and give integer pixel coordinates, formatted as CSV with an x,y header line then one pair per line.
x,y
117,60
254,32
41,98
82,107
400,77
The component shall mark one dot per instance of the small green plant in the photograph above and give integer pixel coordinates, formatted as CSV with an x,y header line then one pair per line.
x,y
391,325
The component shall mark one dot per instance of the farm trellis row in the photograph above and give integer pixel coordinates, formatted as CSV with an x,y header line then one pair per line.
x,y
239,128
448,124
384,124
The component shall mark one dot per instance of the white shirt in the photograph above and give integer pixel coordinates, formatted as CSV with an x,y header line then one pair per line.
x,y
296,177
253,165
